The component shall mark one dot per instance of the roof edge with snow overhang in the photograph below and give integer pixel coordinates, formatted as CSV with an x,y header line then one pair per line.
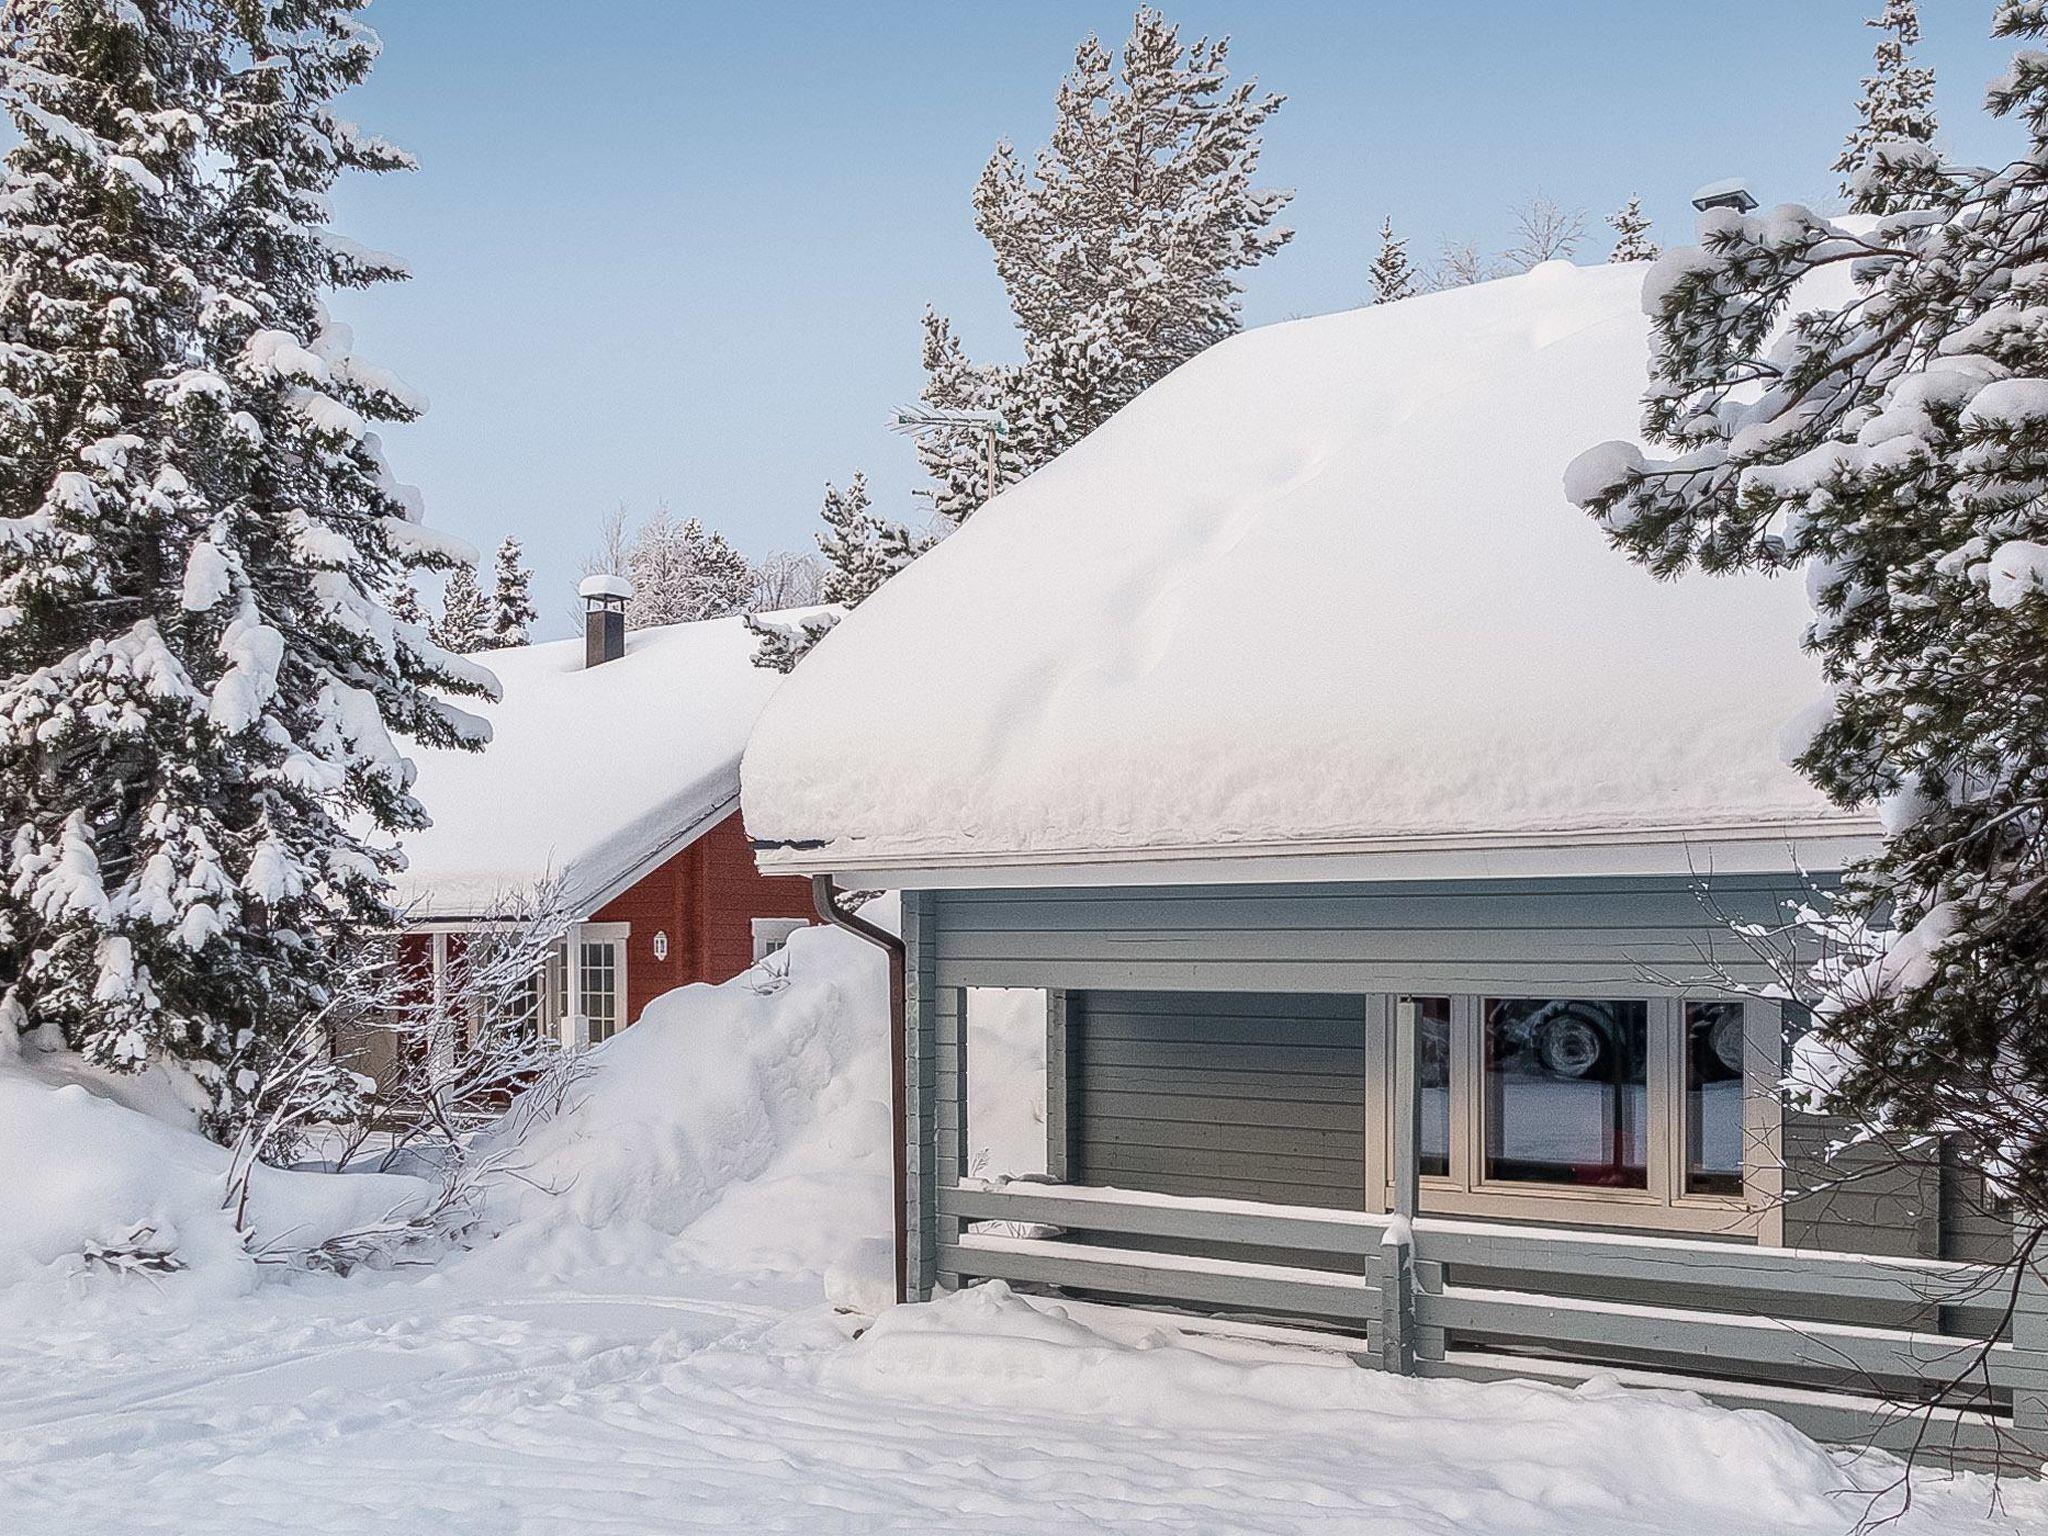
x,y
1773,847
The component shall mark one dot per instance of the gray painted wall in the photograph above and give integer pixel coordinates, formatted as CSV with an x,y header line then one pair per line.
x,y
1216,1093
1135,1116
1590,938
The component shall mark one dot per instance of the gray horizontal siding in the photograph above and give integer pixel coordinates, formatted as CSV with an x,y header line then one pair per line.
x,y
1608,937
1256,1098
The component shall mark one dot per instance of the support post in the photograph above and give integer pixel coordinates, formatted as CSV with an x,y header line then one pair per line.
x,y
1397,1247
575,1026
951,1160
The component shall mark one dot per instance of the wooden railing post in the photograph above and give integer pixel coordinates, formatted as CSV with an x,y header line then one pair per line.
x,y
1397,1246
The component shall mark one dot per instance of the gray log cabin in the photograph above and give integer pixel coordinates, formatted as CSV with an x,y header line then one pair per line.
x,y
1396,860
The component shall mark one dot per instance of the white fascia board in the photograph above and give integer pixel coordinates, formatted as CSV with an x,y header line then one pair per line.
x,y
581,902
1819,846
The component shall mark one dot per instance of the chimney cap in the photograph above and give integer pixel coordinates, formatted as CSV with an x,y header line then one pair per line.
x,y
1730,192
597,588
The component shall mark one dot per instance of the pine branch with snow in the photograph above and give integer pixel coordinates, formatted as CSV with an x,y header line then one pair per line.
x,y
201,690
1393,275
1631,227
1880,164
512,614
1892,446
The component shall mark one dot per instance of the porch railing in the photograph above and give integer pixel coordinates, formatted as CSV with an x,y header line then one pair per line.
x,y
1434,1296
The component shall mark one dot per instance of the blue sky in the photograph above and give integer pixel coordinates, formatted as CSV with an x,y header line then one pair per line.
x,y
669,250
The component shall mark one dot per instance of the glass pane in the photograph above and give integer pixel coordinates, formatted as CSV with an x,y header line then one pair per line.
x,y
1567,1091
1433,1032
1713,1098
598,968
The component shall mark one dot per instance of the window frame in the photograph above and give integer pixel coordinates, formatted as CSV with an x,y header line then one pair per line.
x,y
614,935
1663,1204
772,933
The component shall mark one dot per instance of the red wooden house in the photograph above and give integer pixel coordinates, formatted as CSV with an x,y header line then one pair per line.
x,y
613,771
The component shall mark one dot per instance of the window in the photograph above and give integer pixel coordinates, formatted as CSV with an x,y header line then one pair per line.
x,y
597,983
1637,1111
1567,1084
1433,1042
771,933
1713,1098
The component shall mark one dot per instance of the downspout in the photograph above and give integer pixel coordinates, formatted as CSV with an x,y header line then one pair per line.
x,y
825,896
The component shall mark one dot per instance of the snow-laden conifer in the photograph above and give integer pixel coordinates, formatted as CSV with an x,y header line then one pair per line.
x,y
405,606
1896,108
1893,446
1393,275
465,623
512,614
1631,228
199,683
1119,247
862,550
682,571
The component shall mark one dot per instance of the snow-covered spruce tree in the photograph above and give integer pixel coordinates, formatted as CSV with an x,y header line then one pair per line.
x,y
682,572
465,623
956,462
405,606
198,680
1393,275
1894,445
512,614
862,550
1897,107
1631,228
1119,247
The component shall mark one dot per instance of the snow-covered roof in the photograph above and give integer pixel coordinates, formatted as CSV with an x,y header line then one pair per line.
x,y
1317,592
592,774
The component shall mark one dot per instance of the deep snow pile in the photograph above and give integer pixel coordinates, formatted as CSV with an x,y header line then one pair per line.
x,y
750,1119
1319,585
99,1161
745,1126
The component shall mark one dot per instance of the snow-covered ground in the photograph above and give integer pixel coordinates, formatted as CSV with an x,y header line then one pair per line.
x,y
646,1345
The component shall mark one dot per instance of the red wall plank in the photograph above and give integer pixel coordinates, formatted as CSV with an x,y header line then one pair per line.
x,y
705,899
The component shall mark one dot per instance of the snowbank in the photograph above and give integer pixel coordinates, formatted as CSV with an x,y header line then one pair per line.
x,y
749,1120
1443,1454
1319,586
745,1126
95,1160
589,768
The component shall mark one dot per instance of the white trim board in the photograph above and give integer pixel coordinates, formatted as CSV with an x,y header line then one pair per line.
x,y
1786,847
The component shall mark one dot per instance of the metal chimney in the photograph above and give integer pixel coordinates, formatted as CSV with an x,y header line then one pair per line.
x,y
604,618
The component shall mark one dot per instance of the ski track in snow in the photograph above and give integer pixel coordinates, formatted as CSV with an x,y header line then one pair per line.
x,y
402,1406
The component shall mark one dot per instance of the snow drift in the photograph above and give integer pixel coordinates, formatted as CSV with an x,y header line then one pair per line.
x,y
1319,586
95,1160
748,1120
745,1126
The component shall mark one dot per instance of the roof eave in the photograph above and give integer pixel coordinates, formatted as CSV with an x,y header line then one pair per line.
x,y
1818,844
